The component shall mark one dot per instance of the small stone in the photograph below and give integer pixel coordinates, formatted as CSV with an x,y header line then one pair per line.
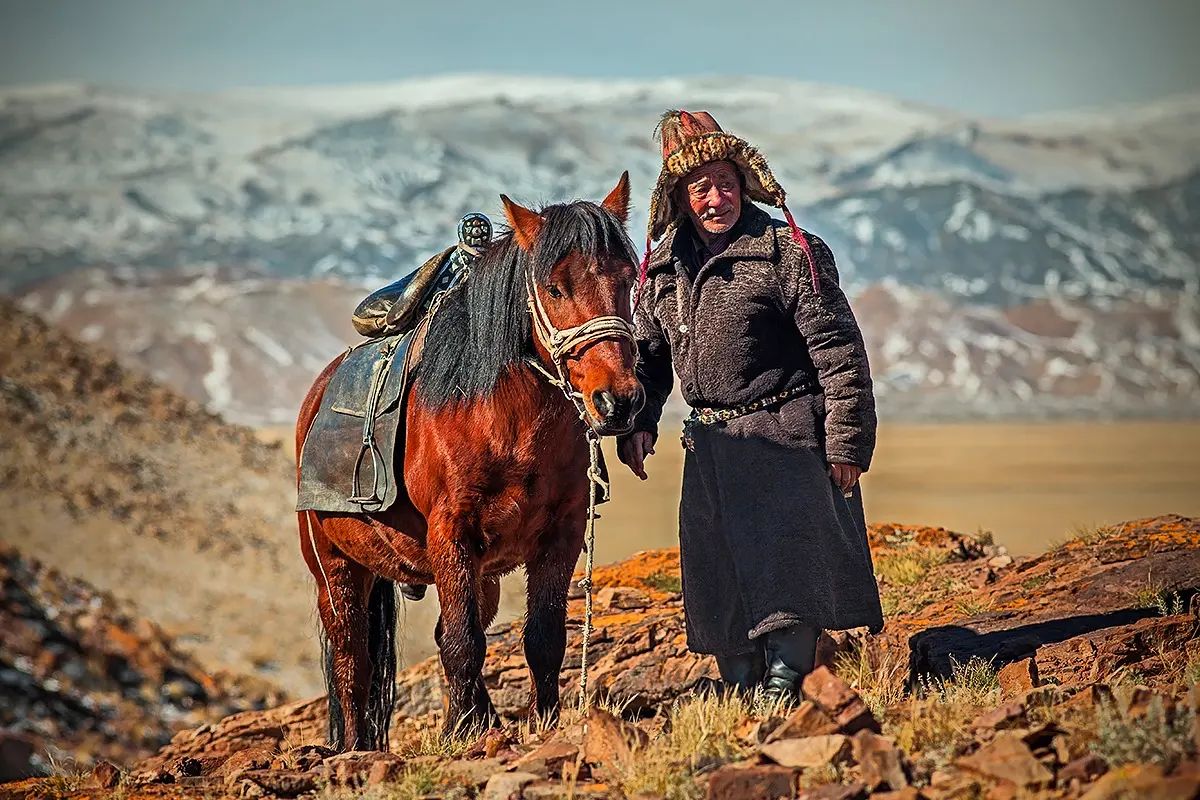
x,y
105,775
835,697
834,791
548,760
1090,696
999,562
472,772
1007,758
880,762
807,720
280,782
352,769
1001,717
812,751
1084,769
609,741
507,785
621,597
384,772
1018,677
249,758
767,781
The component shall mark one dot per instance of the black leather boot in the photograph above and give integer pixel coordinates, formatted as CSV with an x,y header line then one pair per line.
x,y
790,655
744,671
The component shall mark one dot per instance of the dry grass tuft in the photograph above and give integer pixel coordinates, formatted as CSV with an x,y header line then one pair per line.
x,y
876,673
417,781
936,723
700,734
907,566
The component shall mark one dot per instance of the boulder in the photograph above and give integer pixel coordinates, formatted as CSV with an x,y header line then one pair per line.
x,y
1143,782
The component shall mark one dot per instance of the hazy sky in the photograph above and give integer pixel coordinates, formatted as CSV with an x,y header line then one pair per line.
x,y
982,56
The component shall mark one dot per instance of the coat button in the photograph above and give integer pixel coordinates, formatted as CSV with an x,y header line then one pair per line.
x,y
683,328
691,387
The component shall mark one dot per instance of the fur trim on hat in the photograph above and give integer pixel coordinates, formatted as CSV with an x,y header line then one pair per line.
x,y
695,149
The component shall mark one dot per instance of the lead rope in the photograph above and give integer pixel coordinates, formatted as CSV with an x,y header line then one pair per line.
x,y
594,481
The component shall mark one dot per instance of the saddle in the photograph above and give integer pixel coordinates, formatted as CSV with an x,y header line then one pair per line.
x,y
355,440
398,306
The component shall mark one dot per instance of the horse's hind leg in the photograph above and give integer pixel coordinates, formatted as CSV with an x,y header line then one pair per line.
x,y
343,590
548,577
459,634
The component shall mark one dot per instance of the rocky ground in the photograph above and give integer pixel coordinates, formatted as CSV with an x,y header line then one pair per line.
x,y
81,680
1075,673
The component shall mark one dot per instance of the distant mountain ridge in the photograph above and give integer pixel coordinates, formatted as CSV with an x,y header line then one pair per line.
x,y
198,202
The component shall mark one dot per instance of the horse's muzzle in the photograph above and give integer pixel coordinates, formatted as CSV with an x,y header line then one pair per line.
x,y
616,412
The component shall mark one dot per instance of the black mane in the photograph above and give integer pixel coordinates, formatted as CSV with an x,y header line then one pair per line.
x,y
482,326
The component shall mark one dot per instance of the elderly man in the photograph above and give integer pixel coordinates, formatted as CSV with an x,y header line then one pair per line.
x,y
749,312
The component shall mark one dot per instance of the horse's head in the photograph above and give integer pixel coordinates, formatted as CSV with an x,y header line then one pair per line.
x,y
580,279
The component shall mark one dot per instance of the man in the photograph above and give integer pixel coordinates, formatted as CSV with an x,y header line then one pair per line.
x,y
748,311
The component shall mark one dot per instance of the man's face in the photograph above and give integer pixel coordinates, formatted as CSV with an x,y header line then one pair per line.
x,y
714,197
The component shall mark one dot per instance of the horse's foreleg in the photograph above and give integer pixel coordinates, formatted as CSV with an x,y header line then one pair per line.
x,y
459,633
548,577
343,589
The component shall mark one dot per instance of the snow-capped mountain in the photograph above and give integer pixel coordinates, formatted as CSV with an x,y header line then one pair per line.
x,y
1046,265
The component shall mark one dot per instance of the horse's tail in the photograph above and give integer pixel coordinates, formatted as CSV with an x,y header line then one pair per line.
x,y
381,695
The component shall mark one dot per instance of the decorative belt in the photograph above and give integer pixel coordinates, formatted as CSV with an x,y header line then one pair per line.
x,y
713,416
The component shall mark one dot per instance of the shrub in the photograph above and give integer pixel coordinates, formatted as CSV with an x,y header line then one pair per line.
x,y
1156,737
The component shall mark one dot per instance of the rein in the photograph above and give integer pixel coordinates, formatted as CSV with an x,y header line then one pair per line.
x,y
561,344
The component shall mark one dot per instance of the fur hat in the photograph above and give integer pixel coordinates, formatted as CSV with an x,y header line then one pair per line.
x,y
691,140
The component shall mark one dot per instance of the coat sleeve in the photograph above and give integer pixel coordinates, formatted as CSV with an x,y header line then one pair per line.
x,y
836,347
654,368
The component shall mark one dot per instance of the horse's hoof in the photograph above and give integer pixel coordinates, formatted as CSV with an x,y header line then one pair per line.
x,y
412,591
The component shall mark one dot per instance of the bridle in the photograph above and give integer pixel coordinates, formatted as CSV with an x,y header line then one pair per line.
x,y
563,343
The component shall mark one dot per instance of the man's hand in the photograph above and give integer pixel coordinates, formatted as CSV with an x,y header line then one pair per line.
x,y
845,476
633,452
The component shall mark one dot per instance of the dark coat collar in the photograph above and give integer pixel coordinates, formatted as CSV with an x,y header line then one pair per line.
x,y
755,239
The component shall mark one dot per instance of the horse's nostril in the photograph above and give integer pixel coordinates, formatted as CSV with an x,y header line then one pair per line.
x,y
604,402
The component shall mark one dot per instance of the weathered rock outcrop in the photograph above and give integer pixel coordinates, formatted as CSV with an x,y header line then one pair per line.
x,y
1085,660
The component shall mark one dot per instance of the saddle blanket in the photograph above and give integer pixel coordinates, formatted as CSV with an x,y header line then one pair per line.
x,y
355,445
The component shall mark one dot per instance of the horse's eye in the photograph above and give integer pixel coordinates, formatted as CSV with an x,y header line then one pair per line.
x,y
554,291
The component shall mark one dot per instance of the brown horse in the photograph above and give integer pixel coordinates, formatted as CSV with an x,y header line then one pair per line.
x,y
494,466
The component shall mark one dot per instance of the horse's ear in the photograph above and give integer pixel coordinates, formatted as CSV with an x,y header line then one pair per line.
x,y
525,224
617,201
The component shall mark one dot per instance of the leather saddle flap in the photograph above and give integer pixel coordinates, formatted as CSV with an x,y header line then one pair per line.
x,y
349,390
356,441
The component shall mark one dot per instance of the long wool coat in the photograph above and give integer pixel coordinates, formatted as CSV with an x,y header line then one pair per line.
x,y
766,539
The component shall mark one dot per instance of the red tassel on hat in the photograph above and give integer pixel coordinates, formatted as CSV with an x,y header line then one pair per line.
x,y
802,240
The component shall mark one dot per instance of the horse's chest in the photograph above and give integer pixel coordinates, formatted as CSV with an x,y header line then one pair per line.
x,y
536,497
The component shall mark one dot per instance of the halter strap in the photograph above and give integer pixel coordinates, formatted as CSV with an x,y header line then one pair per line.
x,y
562,343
